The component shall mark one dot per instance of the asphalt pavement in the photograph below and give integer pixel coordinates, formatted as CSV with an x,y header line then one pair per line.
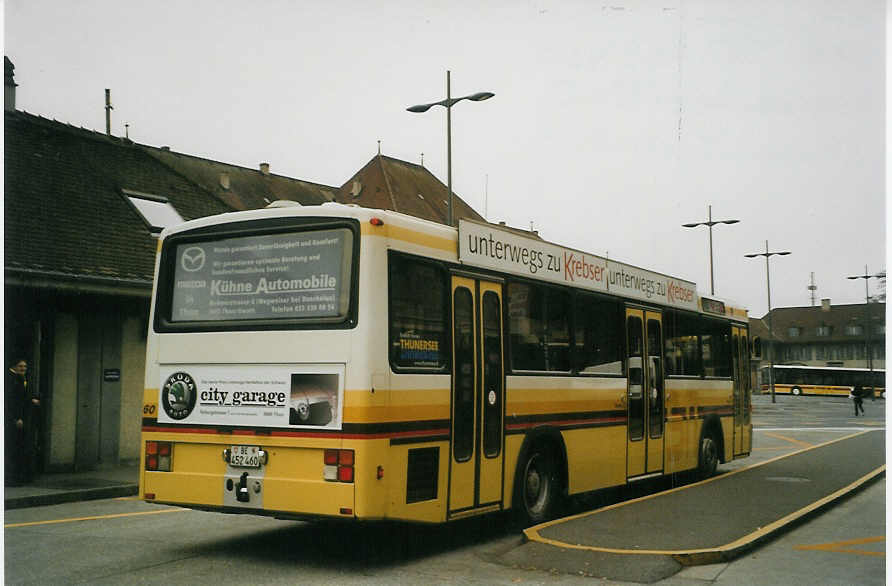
x,y
648,538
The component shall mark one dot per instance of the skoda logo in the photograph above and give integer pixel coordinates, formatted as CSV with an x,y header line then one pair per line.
x,y
192,259
178,395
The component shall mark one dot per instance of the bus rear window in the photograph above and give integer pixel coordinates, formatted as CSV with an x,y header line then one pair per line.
x,y
270,277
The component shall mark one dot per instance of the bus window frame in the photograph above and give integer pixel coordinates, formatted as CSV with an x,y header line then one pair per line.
x,y
283,225
710,329
444,269
669,317
620,316
573,292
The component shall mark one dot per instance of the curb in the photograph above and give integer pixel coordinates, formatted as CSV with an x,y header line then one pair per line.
x,y
735,549
728,551
89,494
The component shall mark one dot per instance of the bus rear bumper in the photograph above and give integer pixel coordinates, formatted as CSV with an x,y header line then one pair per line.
x,y
254,494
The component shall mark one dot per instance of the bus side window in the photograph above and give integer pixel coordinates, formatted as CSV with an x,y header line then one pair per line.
x,y
418,315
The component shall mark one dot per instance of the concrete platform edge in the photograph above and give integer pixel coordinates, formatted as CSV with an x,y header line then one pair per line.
x,y
734,550
41,500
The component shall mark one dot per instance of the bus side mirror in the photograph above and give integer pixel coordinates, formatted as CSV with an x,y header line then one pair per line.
x,y
757,347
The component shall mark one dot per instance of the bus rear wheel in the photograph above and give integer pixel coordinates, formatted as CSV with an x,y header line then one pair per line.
x,y
538,486
796,391
708,461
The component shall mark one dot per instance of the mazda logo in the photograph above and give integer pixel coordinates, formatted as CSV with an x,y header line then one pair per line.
x,y
192,259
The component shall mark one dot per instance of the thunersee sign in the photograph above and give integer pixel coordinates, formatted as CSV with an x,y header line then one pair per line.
x,y
486,246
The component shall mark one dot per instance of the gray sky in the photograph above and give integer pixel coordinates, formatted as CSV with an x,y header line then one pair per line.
x,y
613,123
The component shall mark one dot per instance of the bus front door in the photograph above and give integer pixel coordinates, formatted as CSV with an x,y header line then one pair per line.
x,y
646,397
478,383
743,432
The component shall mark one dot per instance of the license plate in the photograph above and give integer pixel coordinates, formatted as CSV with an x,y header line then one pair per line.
x,y
245,456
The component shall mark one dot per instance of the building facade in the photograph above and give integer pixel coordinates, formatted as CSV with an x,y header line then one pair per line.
x,y
852,335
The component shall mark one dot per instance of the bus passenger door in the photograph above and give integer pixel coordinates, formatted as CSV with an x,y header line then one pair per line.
x,y
646,401
492,395
475,478
742,391
656,400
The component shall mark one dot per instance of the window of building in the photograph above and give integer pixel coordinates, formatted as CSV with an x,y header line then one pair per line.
x,y
599,326
854,330
879,329
794,331
154,210
418,316
823,331
797,352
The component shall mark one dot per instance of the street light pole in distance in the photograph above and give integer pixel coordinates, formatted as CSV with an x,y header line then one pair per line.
x,y
867,276
710,223
768,255
448,103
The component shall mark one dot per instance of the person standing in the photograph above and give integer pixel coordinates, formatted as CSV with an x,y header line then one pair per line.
x,y
19,405
858,398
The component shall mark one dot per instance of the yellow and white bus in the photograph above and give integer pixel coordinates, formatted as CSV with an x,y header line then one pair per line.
x,y
340,362
822,380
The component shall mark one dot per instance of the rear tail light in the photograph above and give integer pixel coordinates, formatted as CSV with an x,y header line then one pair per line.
x,y
338,465
158,456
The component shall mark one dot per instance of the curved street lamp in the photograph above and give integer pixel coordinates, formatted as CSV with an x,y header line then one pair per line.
x,y
768,255
448,103
710,222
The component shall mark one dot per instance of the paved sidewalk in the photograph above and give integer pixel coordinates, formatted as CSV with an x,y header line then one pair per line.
x,y
651,538
52,489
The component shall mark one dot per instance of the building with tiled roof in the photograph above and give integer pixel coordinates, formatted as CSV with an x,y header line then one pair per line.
x,y
825,335
241,188
392,184
81,216
69,216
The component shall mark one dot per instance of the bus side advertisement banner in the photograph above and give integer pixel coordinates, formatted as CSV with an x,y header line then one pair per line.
x,y
488,247
253,396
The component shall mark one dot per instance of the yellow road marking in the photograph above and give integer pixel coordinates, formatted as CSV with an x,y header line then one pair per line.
x,y
840,546
94,518
789,439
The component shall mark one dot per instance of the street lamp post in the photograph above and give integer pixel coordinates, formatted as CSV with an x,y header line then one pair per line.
x,y
867,276
768,255
710,223
448,103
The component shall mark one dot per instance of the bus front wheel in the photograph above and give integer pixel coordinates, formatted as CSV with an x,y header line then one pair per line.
x,y
796,391
538,486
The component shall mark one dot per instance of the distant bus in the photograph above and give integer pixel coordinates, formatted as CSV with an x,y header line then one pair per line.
x,y
822,380
339,362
